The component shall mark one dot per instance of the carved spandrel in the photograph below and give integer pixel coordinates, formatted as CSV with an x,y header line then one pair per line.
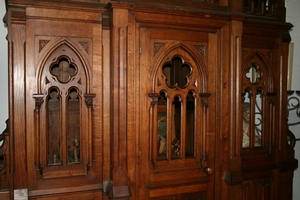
x,y
201,49
85,46
42,44
157,46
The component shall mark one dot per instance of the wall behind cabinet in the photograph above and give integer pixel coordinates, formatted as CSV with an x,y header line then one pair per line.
x,y
292,16
3,69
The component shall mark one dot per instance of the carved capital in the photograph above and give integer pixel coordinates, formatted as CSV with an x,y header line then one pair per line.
x,y
39,100
89,100
153,98
204,99
271,97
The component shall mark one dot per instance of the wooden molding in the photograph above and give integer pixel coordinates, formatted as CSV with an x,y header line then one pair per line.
x,y
234,178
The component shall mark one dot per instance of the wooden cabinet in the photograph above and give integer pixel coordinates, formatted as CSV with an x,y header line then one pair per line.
x,y
148,100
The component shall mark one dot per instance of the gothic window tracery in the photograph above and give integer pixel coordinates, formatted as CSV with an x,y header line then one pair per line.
x,y
255,110
63,122
177,111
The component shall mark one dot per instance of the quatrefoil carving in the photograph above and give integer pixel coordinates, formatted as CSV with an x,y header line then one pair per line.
x,y
177,73
63,70
254,74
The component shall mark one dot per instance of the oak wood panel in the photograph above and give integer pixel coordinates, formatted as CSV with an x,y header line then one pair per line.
x,y
120,49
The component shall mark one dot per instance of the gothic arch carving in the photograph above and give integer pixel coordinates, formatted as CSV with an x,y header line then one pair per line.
x,y
188,56
63,119
64,48
263,61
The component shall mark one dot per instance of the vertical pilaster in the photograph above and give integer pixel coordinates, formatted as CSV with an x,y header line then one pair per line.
x,y
119,34
17,100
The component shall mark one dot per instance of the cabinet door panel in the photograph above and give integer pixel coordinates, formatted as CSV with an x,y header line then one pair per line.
x,y
177,133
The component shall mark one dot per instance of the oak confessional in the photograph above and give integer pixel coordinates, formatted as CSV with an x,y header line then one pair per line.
x,y
138,99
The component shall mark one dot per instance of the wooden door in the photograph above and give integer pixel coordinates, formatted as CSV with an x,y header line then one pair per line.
x,y
177,114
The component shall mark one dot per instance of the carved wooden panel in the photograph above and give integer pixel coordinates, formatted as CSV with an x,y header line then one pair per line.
x,y
258,100
178,144
63,119
142,99
177,116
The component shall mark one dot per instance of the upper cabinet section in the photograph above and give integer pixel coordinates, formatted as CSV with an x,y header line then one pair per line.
x,y
269,9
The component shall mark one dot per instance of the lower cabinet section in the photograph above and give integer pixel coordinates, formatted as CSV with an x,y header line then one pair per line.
x,y
184,192
191,196
87,192
257,189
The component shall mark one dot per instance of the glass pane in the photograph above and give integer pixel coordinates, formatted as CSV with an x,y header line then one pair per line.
x,y
73,127
246,119
162,126
53,128
190,120
258,118
176,127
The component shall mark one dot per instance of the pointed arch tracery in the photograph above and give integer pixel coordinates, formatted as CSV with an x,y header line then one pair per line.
x,y
257,99
178,115
64,121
